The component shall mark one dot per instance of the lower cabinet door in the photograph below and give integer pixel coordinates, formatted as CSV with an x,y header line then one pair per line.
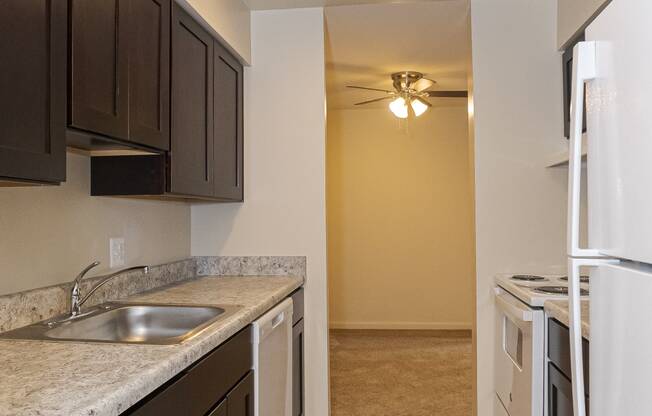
x,y
241,398
560,394
220,410
297,369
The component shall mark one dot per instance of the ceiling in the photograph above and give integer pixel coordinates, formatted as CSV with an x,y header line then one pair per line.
x,y
366,43
292,4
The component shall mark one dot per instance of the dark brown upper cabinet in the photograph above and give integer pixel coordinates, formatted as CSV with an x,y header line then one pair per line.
x,y
119,70
228,125
205,157
191,150
99,71
149,73
33,91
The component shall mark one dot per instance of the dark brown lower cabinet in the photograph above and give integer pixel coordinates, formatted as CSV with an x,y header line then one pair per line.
x,y
219,384
298,359
33,90
560,394
240,400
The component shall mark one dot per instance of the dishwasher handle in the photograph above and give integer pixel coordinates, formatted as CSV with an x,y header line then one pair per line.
x,y
272,320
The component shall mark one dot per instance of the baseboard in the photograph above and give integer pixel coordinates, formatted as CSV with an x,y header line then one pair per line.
x,y
401,325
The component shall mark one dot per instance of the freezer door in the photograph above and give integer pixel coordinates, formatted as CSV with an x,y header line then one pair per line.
x,y
621,340
619,131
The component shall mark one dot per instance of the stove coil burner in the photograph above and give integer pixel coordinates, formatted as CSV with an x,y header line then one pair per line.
x,y
529,278
583,279
558,290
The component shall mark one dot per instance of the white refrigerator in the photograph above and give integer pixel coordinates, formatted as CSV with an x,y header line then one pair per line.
x,y
614,68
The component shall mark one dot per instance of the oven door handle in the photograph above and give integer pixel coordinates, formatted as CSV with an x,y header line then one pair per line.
x,y
512,307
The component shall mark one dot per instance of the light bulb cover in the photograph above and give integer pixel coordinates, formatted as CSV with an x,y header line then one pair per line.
x,y
418,107
399,107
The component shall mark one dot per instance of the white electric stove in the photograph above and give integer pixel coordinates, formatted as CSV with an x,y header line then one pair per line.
x,y
520,354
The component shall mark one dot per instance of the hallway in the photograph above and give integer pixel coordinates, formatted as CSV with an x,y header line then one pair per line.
x,y
393,373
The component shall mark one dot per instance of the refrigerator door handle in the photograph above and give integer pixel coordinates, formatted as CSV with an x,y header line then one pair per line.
x,y
584,69
575,327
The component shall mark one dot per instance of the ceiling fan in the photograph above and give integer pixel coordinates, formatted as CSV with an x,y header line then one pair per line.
x,y
411,88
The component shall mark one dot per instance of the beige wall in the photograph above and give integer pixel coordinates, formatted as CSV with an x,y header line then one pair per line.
x,y
231,20
284,208
400,225
49,233
520,205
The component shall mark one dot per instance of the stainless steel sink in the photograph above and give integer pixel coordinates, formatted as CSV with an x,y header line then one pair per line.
x,y
128,323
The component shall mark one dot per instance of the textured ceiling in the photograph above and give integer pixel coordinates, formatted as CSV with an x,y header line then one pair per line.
x,y
366,43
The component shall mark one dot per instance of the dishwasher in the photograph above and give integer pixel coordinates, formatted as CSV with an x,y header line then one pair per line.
x,y
272,342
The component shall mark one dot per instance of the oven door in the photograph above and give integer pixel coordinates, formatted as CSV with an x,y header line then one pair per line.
x,y
519,356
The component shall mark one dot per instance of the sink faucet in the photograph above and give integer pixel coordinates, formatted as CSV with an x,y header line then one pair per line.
x,y
76,299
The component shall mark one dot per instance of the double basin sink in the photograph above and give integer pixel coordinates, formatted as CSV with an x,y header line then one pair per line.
x,y
128,323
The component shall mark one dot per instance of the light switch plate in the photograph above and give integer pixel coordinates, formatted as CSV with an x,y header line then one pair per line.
x,y
117,252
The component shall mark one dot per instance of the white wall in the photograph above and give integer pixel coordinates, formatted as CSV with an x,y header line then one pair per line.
x,y
284,208
48,234
520,205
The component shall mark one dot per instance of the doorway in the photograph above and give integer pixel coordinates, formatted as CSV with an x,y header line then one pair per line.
x,y
400,206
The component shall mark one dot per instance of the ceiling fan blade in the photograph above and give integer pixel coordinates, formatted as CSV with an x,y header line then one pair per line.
x,y
448,94
370,89
389,97
423,101
423,84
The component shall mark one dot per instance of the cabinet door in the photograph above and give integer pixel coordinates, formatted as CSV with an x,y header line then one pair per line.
x,y
99,67
298,369
32,90
241,398
228,124
560,394
191,140
149,73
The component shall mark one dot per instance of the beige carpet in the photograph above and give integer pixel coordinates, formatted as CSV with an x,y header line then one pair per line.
x,y
396,373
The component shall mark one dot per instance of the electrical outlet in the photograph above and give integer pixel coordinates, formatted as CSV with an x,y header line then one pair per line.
x,y
117,252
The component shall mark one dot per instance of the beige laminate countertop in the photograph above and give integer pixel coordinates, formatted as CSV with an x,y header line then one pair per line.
x,y
558,309
70,379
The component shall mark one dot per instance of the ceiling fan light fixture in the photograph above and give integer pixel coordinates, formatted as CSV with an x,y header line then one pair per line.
x,y
399,107
418,107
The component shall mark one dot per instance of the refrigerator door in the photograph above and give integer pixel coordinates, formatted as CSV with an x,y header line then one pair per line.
x,y
619,130
621,336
